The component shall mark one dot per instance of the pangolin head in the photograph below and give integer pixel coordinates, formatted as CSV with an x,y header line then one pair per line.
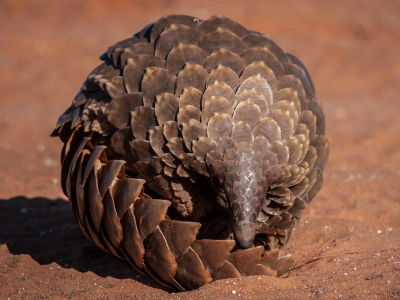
x,y
245,191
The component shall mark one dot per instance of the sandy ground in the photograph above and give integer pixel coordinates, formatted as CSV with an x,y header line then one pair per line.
x,y
348,244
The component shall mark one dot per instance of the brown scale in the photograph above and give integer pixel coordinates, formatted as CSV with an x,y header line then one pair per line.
x,y
192,151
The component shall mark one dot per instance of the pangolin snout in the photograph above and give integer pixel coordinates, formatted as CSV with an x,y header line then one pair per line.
x,y
244,204
244,233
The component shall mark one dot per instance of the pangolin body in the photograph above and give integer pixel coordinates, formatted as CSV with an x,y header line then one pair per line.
x,y
210,116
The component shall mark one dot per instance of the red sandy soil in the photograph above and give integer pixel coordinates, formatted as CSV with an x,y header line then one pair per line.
x,y
348,244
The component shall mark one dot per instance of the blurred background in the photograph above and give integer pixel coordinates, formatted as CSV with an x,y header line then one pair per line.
x,y
351,48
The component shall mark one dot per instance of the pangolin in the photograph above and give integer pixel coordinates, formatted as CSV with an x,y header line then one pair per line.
x,y
192,151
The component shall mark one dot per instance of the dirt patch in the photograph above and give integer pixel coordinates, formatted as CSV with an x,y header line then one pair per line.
x,y
348,244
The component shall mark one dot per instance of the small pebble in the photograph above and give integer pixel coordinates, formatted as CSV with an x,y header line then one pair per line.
x,y
379,231
234,292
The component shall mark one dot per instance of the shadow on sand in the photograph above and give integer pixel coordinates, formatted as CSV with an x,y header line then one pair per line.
x,y
46,230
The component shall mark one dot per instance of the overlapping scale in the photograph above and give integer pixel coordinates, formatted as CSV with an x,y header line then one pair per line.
x,y
212,117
